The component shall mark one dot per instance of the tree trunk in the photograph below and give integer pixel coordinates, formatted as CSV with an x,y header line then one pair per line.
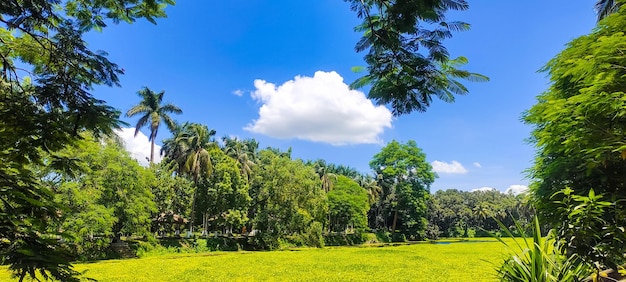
x,y
193,206
395,219
152,150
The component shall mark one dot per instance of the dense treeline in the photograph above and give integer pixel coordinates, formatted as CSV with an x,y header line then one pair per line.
x,y
231,188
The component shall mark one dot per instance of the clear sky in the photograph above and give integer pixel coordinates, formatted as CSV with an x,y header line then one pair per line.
x,y
232,65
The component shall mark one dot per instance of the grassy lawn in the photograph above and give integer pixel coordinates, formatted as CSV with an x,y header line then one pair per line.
x,y
469,261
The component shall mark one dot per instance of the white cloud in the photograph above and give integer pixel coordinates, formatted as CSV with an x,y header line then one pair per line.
x,y
477,164
138,147
321,108
483,189
517,189
449,168
238,92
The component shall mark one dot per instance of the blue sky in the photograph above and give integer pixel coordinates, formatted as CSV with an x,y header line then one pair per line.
x,y
232,65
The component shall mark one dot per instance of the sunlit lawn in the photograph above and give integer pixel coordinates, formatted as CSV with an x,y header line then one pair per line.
x,y
470,261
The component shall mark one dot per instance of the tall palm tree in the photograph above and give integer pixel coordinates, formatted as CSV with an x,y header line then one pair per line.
x,y
604,8
152,112
189,150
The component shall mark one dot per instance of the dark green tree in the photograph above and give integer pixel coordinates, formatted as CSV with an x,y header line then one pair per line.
x,y
407,62
47,73
152,112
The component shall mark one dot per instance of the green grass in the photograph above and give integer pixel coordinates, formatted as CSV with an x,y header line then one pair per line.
x,y
474,261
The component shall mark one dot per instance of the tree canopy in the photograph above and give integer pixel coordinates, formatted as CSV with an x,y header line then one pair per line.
x,y
579,124
47,73
407,63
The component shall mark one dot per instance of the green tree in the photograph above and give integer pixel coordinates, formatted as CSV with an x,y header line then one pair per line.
x,y
579,124
287,199
224,199
347,205
406,180
152,111
47,73
244,152
106,195
407,62
189,151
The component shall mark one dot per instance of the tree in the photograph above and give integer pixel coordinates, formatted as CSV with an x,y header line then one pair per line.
x,y
244,152
287,200
579,123
322,170
47,73
606,7
105,195
347,205
407,62
224,199
152,112
189,150
408,177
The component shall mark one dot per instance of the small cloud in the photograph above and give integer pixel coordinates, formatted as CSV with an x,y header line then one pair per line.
x,y
483,189
477,164
321,108
238,92
516,189
138,147
448,168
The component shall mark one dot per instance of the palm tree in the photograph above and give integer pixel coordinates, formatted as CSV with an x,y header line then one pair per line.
x,y
243,152
322,170
189,151
606,7
153,111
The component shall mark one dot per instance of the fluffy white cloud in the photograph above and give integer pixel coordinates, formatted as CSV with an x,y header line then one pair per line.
x,y
138,147
517,189
321,108
483,189
449,168
238,92
477,164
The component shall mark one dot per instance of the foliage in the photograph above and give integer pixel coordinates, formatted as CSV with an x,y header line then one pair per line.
x,y
455,213
224,195
579,134
152,111
468,261
172,193
287,198
106,196
187,152
348,205
537,260
407,62
405,178
606,7
47,73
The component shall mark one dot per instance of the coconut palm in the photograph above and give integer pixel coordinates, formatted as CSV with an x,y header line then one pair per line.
x,y
244,152
189,150
322,170
152,112
604,8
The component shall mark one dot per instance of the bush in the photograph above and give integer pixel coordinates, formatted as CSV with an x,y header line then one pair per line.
x,y
383,236
398,237
313,236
